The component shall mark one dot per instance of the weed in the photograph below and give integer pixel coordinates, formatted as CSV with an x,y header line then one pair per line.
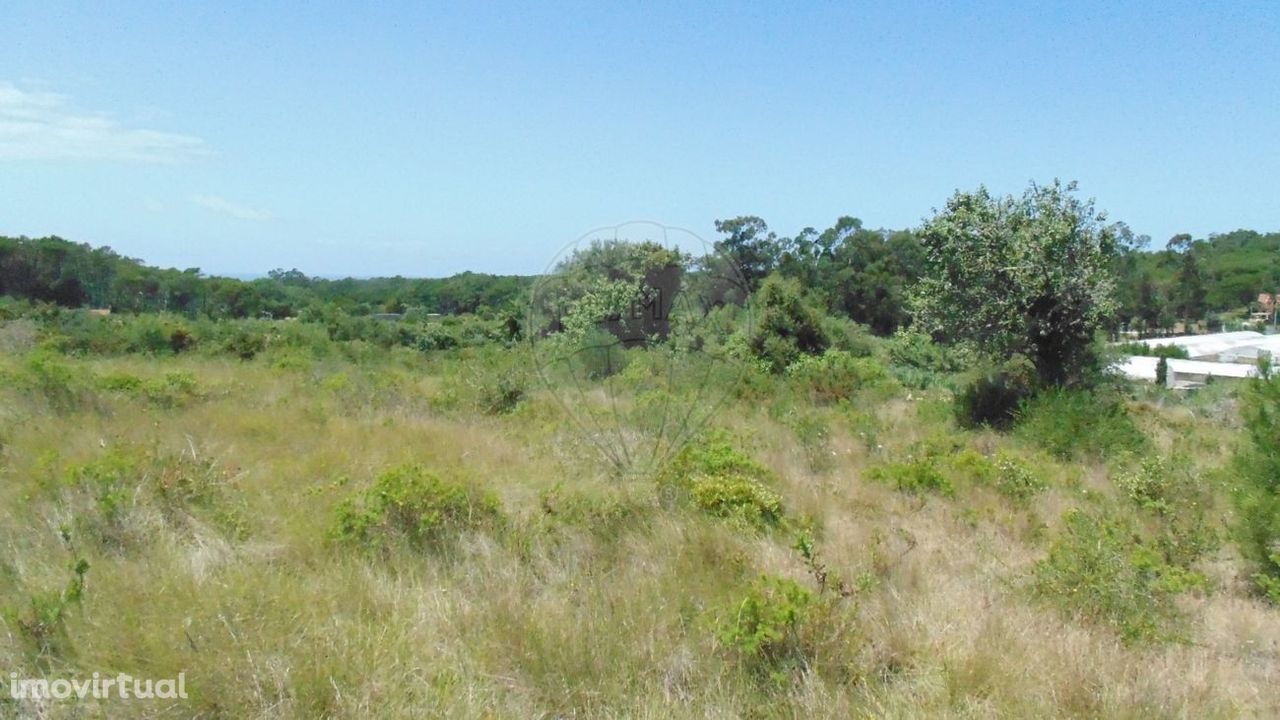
x,y
737,498
1015,479
41,622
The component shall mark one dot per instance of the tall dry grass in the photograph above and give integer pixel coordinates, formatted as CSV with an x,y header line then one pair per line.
x,y
593,598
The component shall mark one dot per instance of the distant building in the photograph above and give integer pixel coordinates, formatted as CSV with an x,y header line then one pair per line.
x,y
1229,355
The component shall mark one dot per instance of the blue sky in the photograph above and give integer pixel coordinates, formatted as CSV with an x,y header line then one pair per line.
x,y
424,140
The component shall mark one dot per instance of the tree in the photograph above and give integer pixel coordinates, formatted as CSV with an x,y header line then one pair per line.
x,y
1028,276
751,245
1190,290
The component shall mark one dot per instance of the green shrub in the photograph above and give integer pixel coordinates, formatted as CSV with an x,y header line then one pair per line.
x,y
764,628
433,337
973,468
1258,497
1177,506
41,624
607,516
919,363
787,325
157,335
171,389
737,498
244,342
717,479
413,505
848,336
1148,485
837,375
119,381
45,376
992,398
1015,479
1099,570
914,476
713,455
1079,423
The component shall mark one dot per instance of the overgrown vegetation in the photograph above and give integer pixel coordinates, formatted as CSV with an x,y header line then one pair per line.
x,y
342,515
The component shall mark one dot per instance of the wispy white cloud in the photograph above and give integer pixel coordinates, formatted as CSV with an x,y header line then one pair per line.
x,y
45,125
226,207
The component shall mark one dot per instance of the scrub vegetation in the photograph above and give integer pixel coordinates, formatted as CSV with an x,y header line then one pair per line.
x,y
341,516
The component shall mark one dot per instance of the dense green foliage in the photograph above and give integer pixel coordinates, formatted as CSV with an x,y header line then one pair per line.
x,y
1028,276
850,270
53,270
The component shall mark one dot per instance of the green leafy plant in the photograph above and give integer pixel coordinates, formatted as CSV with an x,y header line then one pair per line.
x,y
737,498
787,325
991,397
837,375
1258,497
717,479
1015,479
1078,423
763,628
413,505
1029,276
1100,570
914,476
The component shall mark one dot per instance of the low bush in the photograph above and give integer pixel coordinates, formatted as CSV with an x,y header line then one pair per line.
x,y
1079,423
991,398
1099,570
787,325
434,337
717,479
171,389
837,375
737,498
848,336
45,376
764,628
919,363
413,505
914,476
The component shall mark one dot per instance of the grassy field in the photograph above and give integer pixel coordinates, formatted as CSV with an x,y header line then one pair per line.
x,y
409,534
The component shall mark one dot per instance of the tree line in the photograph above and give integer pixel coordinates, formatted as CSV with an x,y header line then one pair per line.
x,y
62,272
853,271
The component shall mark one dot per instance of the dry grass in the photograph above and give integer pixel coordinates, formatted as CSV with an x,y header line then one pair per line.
x,y
592,601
